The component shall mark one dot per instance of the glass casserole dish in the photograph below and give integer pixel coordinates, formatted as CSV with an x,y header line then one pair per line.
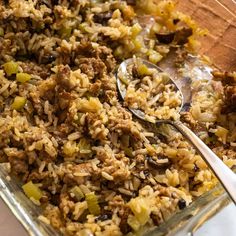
x,y
219,18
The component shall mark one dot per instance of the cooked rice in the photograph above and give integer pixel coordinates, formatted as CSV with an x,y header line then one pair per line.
x,y
73,131
150,91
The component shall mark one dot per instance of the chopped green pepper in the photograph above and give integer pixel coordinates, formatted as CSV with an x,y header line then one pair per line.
x,y
18,103
128,152
32,191
65,32
10,68
78,194
92,202
23,77
84,145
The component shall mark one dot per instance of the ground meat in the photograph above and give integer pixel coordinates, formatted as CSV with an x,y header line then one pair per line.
x,y
46,87
18,166
95,88
63,78
230,99
32,68
102,18
92,67
124,226
86,50
228,80
127,127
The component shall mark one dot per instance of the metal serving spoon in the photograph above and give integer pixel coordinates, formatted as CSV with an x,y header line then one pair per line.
x,y
225,175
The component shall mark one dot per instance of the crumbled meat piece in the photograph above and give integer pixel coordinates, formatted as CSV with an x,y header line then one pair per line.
x,y
124,226
230,99
86,50
188,118
18,166
66,205
165,38
226,78
127,126
32,68
64,99
102,18
229,82
182,35
95,88
63,78
46,86
109,96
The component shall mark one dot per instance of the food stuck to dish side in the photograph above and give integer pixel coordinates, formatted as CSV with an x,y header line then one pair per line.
x,y
80,154
150,91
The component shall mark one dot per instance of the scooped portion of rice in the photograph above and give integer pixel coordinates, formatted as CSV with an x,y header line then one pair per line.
x,y
151,91
82,156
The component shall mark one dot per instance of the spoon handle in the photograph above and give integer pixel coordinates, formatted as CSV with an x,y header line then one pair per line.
x,y
226,176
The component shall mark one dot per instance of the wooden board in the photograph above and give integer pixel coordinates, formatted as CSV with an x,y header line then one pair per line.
x,y
219,17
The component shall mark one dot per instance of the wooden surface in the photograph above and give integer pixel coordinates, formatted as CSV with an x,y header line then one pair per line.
x,y
9,225
219,17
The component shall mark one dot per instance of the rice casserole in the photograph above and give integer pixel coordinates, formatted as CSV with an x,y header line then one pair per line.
x,y
92,167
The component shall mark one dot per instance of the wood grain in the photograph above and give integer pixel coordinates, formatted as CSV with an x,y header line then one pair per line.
x,y
219,17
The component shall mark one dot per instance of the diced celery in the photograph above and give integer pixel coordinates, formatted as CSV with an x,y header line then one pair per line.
x,y
128,152
78,194
1,31
32,191
92,202
10,68
23,77
84,145
18,103
136,29
143,69
65,32
155,57
124,80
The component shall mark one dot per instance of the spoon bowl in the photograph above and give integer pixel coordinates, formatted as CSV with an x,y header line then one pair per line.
x,y
122,71
224,174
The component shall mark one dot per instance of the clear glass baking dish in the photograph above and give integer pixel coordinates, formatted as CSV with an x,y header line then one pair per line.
x,y
219,17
